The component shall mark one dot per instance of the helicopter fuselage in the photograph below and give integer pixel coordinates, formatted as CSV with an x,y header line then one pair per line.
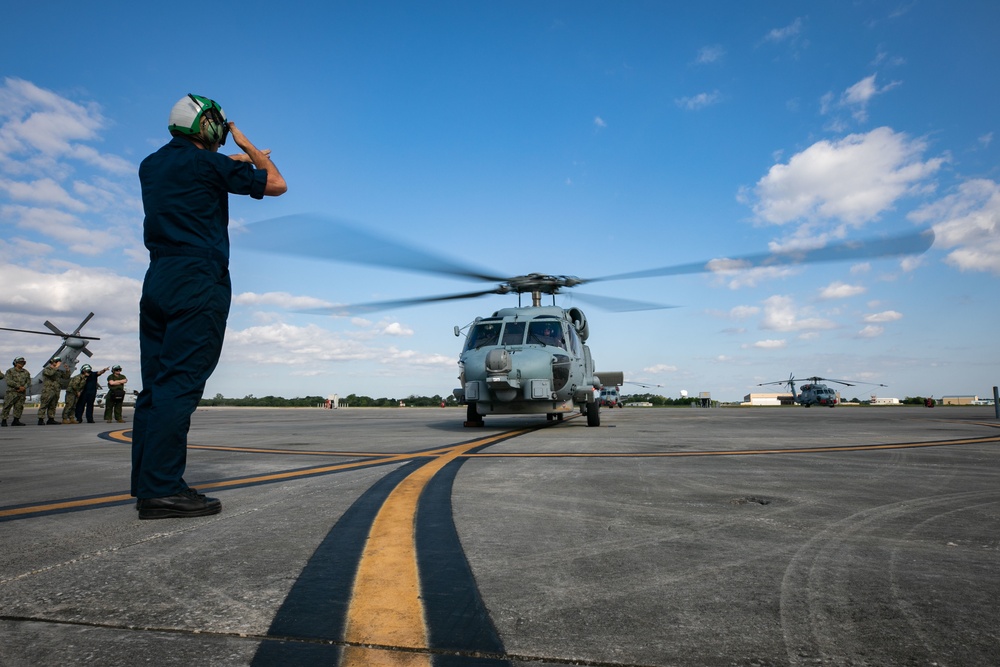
x,y
530,360
817,394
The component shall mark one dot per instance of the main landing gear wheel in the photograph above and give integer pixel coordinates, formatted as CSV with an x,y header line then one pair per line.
x,y
593,414
472,417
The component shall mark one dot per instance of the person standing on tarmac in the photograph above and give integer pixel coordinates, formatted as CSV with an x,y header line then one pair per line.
x,y
73,391
187,292
115,397
89,393
17,380
51,385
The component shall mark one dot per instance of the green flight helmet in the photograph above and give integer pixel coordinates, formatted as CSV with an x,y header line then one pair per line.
x,y
19,360
85,368
200,118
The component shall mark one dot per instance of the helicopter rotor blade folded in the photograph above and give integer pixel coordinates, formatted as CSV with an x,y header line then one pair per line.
x,y
894,246
326,238
49,333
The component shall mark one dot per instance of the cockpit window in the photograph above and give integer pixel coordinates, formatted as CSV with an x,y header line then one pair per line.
x,y
513,333
546,332
483,334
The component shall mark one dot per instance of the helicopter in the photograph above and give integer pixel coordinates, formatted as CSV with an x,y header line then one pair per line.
x,y
814,393
73,344
526,359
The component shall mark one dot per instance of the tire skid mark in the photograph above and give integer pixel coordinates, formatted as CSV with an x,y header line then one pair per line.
x,y
815,625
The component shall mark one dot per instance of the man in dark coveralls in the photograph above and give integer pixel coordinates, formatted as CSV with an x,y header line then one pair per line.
x,y
186,293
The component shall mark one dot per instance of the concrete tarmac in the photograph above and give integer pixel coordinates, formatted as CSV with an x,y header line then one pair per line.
x,y
720,537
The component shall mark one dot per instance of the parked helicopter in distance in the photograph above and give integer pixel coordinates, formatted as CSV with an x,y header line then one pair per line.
x,y
524,360
815,393
73,344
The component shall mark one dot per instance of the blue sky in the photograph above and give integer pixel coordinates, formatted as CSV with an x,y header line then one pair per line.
x,y
581,138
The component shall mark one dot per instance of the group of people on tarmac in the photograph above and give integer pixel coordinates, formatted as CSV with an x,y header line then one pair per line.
x,y
81,393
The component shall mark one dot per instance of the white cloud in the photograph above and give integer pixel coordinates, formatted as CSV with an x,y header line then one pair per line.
x,y
710,54
871,331
857,97
599,122
743,312
780,314
75,290
396,329
769,344
280,300
699,101
839,290
968,221
786,33
852,180
884,316
660,368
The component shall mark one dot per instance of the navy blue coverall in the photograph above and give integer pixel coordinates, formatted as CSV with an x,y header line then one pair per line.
x,y
185,300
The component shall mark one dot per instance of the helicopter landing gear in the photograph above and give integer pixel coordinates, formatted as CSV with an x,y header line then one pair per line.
x,y
593,414
472,417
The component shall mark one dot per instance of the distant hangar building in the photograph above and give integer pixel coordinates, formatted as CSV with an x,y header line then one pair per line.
x,y
765,398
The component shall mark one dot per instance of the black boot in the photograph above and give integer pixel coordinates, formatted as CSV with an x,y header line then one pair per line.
x,y
51,421
3,423
41,422
17,422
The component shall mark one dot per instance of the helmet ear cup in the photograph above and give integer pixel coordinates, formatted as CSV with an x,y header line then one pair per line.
x,y
213,127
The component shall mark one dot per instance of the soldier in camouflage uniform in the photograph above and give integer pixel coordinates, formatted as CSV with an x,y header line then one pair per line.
x,y
52,379
17,380
73,393
115,397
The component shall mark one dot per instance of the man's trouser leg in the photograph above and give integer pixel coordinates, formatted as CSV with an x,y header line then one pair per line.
x,y
182,323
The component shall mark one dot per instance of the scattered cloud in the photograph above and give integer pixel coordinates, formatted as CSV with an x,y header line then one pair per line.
x,y
786,33
781,314
660,368
967,222
770,344
871,331
396,329
743,312
710,54
852,180
280,300
699,101
884,316
856,98
839,290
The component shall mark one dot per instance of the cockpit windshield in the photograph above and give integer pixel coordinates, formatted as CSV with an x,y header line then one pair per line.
x,y
483,334
546,332
513,333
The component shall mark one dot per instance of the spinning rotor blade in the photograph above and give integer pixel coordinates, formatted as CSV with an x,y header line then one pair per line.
x,y
324,237
893,246
357,309
617,304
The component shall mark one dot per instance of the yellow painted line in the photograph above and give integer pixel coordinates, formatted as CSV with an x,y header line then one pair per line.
x,y
65,505
737,452
385,607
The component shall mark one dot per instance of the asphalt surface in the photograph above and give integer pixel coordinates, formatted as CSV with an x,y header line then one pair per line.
x,y
739,536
